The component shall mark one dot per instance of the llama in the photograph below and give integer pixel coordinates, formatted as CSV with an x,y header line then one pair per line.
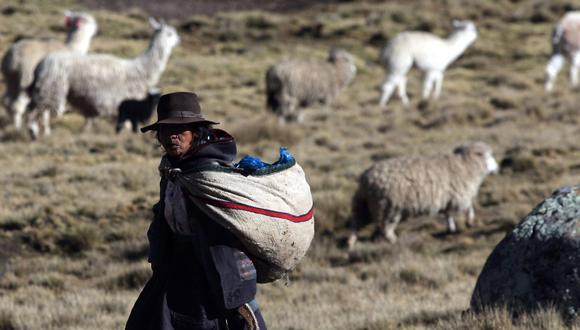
x,y
97,83
429,53
21,59
565,43
137,111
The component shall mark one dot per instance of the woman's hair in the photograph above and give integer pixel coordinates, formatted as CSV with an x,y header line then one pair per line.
x,y
202,131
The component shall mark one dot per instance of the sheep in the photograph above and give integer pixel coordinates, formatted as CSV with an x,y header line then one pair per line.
x,y
397,188
97,83
137,111
294,83
429,53
21,59
565,43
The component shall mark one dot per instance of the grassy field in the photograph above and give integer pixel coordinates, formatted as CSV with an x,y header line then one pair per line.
x,y
74,207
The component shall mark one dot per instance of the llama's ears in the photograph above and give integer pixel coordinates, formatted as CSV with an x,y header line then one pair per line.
x,y
67,13
68,16
155,24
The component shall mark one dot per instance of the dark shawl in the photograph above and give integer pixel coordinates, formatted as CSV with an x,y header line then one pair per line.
x,y
216,249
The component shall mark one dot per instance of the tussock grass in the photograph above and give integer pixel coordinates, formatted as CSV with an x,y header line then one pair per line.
x,y
75,207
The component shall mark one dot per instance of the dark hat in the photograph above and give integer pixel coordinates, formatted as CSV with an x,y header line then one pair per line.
x,y
178,108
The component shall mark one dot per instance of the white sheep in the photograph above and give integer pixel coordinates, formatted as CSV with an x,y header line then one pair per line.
x,y
295,83
400,187
430,53
565,43
21,59
97,83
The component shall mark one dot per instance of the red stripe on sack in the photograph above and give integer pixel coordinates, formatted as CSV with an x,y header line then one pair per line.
x,y
238,206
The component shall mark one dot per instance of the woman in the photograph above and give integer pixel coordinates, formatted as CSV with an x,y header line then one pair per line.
x,y
201,277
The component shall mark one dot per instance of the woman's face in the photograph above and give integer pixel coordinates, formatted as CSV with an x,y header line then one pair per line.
x,y
176,139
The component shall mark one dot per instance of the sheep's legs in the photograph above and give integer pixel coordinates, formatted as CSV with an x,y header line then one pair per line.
x,y
6,101
288,109
389,226
89,123
300,117
353,236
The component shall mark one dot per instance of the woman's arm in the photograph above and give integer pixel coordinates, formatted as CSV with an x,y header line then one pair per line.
x,y
159,233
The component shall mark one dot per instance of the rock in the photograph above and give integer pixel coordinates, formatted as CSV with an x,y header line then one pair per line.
x,y
538,263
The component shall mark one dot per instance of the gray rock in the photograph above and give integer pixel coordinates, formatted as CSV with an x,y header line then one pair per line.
x,y
538,263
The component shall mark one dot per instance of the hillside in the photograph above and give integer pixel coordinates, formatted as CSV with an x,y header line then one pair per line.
x,y
75,206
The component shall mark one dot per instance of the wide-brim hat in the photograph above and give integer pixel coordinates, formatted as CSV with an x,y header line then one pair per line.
x,y
178,108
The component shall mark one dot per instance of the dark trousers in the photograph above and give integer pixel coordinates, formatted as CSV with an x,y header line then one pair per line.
x,y
184,322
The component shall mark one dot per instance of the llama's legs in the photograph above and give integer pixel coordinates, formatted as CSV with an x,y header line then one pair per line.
x,y
551,71
428,83
388,87
46,122
438,85
470,215
451,227
402,88
574,67
60,110
33,126
19,108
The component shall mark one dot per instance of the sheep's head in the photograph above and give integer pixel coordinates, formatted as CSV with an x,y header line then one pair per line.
x,y
166,34
338,55
481,151
80,22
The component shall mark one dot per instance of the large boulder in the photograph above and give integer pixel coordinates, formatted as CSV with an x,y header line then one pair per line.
x,y
538,263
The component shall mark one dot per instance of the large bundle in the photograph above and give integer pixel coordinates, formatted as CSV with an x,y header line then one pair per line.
x,y
270,210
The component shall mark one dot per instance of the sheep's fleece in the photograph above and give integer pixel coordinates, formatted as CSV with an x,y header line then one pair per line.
x,y
270,213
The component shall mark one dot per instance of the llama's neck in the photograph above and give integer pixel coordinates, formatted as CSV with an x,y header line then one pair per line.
x,y
151,63
458,42
79,41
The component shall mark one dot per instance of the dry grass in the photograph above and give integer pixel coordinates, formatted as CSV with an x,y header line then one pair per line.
x,y
74,207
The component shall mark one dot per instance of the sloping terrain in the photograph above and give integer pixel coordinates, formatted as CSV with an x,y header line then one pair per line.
x,y
75,206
